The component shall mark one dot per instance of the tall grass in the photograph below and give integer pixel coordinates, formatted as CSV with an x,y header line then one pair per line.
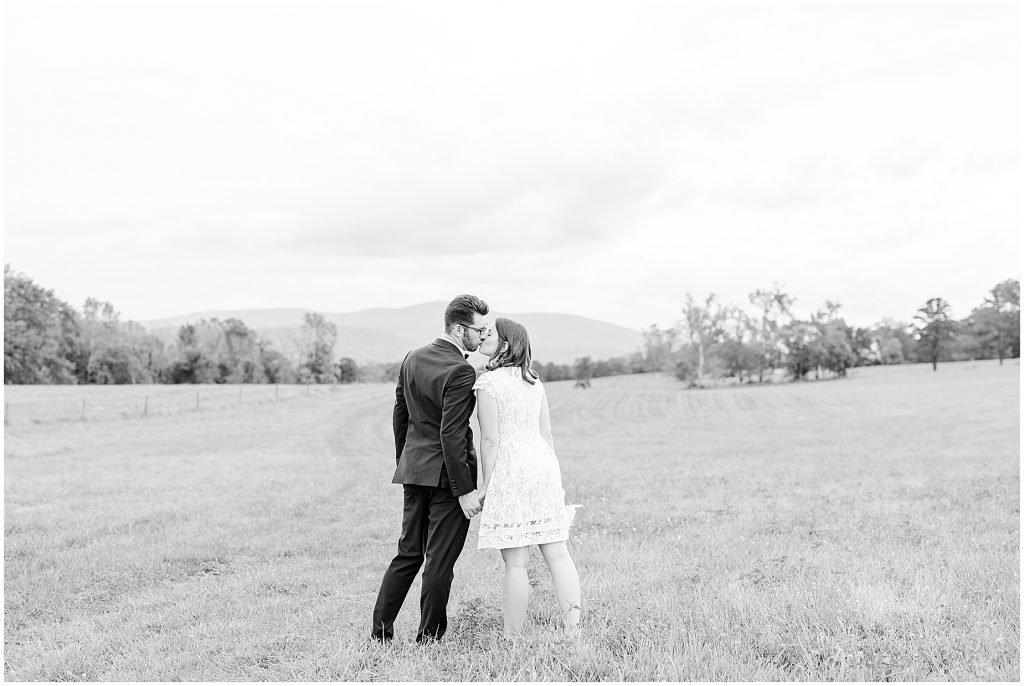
x,y
864,529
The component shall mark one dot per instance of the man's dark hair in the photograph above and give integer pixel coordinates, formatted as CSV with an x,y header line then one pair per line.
x,y
460,311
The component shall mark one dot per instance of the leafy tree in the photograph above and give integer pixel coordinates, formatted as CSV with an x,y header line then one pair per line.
x,y
200,354
116,352
553,372
347,370
40,333
659,348
738,359
967,343
891,352
823,342
935,328
803,351
634,363
833,348
583,371
318,337
864,347
894,340
739,352
981,327
71,347
772,304
997,322
215,351
105,361
244,359
276,366
686,365
611,367
146,354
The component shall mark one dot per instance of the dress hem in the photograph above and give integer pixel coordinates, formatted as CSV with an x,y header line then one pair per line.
x,y
554,538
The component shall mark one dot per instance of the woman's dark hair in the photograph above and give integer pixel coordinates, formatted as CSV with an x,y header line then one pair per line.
x,y
461,309
518,353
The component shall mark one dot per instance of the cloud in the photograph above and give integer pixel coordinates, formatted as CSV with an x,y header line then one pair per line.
x,y
903,159
606,158
814,181
987,160
546,206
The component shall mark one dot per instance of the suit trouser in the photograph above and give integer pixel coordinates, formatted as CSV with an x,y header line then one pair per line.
x,y
433,532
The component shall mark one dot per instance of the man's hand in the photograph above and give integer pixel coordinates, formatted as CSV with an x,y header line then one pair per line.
x,y
470,504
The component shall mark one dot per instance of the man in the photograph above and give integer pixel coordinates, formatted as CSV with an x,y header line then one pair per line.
x,y
436,466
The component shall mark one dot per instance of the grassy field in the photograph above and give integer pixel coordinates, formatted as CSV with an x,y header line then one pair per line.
x,y
863,529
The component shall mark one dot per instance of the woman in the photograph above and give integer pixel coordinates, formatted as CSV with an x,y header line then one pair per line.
x,y
525,502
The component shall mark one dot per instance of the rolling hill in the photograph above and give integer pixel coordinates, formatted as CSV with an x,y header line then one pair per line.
x,y
387,334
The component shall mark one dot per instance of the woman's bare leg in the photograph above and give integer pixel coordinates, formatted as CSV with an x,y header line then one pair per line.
x,y
517,589
566,581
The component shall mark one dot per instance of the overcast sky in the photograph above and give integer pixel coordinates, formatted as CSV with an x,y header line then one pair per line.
x,y
601,159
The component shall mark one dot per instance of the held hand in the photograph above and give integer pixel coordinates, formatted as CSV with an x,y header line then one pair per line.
x,y
470,504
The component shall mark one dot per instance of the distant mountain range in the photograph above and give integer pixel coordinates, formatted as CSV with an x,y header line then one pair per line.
x,y
387,334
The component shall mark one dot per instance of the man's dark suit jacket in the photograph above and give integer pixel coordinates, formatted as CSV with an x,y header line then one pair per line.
x,y
433,403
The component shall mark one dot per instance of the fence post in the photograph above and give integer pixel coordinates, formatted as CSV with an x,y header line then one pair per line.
x,y
145,407
83,409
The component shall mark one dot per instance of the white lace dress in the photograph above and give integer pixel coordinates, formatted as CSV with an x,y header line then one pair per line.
x,y
525,501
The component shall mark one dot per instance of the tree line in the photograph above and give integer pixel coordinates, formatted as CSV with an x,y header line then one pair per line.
x,y
48,341
713,341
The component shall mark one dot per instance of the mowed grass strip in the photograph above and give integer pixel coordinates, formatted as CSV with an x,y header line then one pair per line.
x,y
862,529
48,404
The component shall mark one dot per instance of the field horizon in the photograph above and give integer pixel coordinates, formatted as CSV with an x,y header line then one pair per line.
x,y
858,529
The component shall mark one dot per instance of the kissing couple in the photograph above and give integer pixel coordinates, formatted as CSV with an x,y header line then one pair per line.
x,y
519,496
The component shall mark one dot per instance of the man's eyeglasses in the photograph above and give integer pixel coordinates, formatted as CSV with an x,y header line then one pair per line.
x,y
479,329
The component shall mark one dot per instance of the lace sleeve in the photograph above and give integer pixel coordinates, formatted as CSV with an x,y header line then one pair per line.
x,y
485,382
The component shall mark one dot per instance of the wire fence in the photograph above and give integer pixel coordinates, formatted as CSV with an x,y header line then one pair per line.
x,y
25,405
